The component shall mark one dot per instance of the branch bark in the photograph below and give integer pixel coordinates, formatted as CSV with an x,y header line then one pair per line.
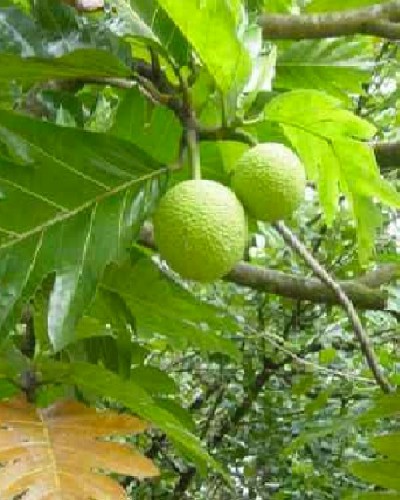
x,y
387,154
301,288
362,291
377,20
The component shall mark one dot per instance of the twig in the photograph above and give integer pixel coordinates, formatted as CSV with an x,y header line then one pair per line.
x,y
324,276
299,358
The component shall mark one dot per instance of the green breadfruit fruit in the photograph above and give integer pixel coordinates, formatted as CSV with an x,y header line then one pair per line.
x,y
200,229
270,181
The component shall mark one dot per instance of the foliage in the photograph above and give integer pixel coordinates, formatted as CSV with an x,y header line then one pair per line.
x,y
249,394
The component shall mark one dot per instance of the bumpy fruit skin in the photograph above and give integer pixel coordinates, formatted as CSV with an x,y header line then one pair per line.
x,y
270,180
200,229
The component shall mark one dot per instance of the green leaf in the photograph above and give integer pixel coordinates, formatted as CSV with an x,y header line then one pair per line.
x,y
318,403
211,30
336,66
18,32
145,19
153,380
278,6
103,383
12,362
70,206
372,495
164,309
114,352
182,414
384,473
155,129
387,405
82,63
7,389
388,444
328,140
327,355
54,16
335,427
106,329
263,73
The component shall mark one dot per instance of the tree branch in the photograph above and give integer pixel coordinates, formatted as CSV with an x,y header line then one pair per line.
x,y
343,299
387,154
380,276
377,20
302,288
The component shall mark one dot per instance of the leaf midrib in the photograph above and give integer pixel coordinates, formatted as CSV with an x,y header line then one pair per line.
x,y
65,216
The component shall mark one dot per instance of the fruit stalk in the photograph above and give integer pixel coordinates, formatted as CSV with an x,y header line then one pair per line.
x,y
193,153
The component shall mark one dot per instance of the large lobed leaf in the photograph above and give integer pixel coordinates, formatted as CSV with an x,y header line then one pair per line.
x,y
69,206
336,66
155,129
211,30
146,19
52,452
177,316
332,144
103,383
382,471
82,63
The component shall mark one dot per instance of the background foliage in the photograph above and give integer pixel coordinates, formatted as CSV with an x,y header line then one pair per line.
x,y
250,394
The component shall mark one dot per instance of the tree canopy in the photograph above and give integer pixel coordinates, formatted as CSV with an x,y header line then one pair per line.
x,y
277,381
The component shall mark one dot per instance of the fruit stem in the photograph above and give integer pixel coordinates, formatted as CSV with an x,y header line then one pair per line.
x,y
193,153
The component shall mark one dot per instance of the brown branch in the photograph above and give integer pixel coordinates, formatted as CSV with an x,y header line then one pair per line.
x,y
377,20
382,275
343,299
299,287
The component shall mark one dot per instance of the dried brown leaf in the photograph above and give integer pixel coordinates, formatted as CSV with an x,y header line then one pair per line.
x,y
55,453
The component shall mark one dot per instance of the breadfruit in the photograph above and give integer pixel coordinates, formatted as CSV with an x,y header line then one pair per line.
x,y
200,229
270,181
